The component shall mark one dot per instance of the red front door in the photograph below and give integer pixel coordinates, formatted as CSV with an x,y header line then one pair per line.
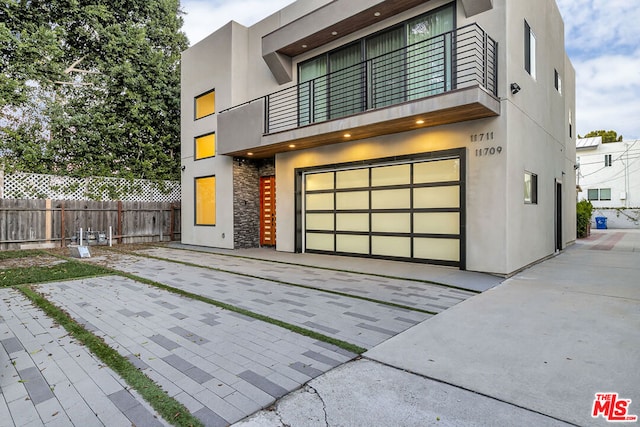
x,y
268,211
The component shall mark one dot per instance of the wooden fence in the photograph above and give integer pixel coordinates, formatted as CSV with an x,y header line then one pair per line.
x,y
26,223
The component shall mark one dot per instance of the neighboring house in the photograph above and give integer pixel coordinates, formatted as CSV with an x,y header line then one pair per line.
x,y
427,131
608,173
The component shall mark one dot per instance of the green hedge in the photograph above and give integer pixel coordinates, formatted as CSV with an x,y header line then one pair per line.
x,y
584,210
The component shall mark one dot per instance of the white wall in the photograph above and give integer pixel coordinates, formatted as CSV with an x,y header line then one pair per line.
x,y
623,176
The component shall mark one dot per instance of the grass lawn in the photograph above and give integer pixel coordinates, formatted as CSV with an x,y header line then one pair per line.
x,y
21,267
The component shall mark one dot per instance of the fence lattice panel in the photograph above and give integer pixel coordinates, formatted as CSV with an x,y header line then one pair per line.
x,y
40,186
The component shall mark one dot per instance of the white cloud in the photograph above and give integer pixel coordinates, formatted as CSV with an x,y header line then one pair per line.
x,y
204,17
608,94
593,26
602,41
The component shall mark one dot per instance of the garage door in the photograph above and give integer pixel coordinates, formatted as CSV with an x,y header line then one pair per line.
x,y
409,210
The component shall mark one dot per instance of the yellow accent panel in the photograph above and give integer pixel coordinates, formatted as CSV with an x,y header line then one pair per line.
x,y
391,246
391,222
319,222
319,181
206,201
353,244
437,197
319,242
352,200
391,175
437,223
352,178
436,171
352,222
391,199
440,249
205,104
206,146
321,201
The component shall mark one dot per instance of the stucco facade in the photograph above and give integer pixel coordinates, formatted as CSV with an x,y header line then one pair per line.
x,y
485,134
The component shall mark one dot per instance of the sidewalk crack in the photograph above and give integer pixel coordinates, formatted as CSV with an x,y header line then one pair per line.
x,y
324,404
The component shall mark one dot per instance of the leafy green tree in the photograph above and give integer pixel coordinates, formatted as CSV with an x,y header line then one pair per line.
x,y
607,135
91,87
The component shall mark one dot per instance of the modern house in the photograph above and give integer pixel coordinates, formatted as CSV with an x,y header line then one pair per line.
x,y
608,175
426,131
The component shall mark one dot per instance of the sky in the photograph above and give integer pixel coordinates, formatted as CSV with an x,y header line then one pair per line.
x,y
602,38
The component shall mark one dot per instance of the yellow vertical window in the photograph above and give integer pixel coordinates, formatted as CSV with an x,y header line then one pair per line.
x,y
206,200
205,146
205,104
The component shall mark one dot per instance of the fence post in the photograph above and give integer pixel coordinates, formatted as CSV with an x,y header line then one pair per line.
x,y
119,222
62,230
172,218
47,220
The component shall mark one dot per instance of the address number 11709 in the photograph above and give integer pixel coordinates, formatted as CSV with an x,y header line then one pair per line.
x,y
488,151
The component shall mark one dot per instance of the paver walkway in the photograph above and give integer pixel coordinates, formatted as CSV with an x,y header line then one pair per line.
x,y
359,322
411,293
221,365
46,378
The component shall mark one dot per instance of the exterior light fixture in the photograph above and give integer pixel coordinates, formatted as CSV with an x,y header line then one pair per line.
x,y
292,146
347,135
419,122
249,153
304,46
334,33
515,88
376,14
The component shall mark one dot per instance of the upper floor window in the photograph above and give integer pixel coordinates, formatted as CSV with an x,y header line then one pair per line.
x,y
405,62
529,50
599,194
205,146
607,160
205,104
557,81
530,188
570,124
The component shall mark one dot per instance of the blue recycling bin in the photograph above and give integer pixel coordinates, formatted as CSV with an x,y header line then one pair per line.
x,y
601,222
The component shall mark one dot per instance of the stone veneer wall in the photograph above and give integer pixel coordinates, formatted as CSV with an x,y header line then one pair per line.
x,y
246,200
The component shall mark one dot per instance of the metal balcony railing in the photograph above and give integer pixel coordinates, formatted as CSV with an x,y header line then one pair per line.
x,y
457,59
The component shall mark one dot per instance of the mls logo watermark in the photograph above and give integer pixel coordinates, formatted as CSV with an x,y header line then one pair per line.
x,y
612,408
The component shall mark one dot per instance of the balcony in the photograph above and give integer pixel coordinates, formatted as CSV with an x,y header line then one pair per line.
x,y
446,79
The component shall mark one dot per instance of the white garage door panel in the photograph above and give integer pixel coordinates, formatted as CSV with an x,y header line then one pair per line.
x,y
352,244
320,242
445,249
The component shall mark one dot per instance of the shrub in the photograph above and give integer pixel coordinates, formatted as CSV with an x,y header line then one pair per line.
x,y
584,210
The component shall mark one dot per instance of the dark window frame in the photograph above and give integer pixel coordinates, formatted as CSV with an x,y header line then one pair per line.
x,y
195,146
195,200
534,189
195,105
